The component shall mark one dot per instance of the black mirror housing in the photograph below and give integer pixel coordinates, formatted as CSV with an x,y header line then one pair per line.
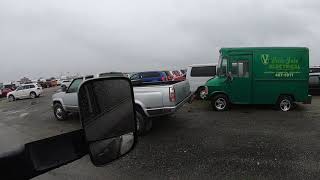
x,y
108,117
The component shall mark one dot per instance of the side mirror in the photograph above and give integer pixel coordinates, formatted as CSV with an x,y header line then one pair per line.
x,y
108,117
63,88
109,132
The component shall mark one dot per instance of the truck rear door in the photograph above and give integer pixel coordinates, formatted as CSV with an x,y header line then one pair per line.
x,y
182,90
240,87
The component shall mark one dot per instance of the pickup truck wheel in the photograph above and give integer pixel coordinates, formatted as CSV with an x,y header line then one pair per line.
x,y
285,103
59,112
11,98
144,124
220,102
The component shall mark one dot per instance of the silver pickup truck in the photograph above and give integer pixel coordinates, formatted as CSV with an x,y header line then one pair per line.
x,y
151,100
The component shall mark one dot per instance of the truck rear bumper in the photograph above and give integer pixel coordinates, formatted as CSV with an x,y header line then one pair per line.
x,y
154,112
308,100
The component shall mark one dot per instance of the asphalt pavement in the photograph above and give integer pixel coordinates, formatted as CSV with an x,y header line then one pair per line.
x,y
247,142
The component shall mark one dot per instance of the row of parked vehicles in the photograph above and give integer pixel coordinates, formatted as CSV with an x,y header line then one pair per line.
x,y
159,76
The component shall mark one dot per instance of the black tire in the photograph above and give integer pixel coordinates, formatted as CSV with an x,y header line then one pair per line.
x,y
199,93
11,98
59,112
33,95
144,124
285,103
220,102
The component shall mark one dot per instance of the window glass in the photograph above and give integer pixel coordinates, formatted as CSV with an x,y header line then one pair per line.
x,y
244,69
167,73
74,86
203,71
32,86
240,69
135,77
224,65
234,69
26,87
314,80
150,74
19,88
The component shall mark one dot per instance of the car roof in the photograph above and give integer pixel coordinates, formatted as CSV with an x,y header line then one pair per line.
x,y
29,84
200,65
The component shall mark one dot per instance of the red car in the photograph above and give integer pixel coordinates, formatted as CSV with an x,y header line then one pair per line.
x,y
170,76
5,91
178,76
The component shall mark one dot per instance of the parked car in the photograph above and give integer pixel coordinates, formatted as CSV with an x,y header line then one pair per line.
x,y
4,92
314,83
25,91
151,100
260,75
150,76
10,86
198,75
183,71
65,83
169,75
178,76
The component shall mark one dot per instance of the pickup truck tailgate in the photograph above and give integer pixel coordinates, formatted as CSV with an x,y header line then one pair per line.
x,y
149,96
182,90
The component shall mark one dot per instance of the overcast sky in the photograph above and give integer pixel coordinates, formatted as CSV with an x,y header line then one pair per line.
x,y
50,37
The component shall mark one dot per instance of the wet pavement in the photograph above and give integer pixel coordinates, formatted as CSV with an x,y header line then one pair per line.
x,y
247,142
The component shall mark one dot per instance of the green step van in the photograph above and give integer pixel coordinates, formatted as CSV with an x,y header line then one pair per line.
x,y
260,75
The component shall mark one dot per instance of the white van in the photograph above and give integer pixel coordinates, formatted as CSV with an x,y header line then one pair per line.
x,y
198,75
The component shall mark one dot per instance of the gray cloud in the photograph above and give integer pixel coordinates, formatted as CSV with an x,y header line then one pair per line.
x,y
45,38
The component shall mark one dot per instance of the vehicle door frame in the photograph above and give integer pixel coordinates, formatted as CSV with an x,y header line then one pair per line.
x,y
18,93
26,91
234,96
69,96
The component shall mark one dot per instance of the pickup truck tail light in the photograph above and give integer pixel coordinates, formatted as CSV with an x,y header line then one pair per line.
x,y
172,94
163,78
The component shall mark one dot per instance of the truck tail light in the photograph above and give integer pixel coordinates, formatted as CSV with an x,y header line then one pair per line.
x,y
172,94
163,78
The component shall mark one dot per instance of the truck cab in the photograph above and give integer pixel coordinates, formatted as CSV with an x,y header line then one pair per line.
x,y
260,76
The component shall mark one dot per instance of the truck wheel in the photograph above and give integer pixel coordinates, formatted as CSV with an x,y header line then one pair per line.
x,y
59,112
11,98
220,102
144,124
33,95
285,103
201,93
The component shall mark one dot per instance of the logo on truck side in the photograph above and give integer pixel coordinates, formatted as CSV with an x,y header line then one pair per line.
x,y
265,59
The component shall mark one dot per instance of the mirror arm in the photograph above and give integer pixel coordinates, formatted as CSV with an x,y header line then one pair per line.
x,y
41,156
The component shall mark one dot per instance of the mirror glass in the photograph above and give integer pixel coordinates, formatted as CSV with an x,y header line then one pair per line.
x,y
108,117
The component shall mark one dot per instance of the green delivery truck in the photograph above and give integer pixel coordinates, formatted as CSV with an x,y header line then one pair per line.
x,y
260,75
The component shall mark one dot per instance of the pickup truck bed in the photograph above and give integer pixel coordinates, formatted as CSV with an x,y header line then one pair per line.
x,y
154,98
151,100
